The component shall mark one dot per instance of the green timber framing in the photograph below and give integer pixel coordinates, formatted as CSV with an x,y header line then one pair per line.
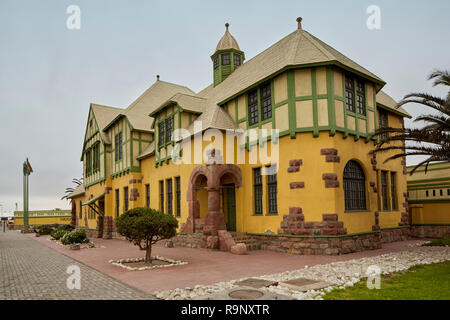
x,y
175,114
218,75
330,96
93,139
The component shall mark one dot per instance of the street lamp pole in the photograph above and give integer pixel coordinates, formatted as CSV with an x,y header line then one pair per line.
x,y
26,172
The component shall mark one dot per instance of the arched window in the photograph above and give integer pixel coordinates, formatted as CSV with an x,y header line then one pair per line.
x,y
354,187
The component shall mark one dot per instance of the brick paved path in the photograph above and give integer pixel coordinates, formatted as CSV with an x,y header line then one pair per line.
x,y
30,270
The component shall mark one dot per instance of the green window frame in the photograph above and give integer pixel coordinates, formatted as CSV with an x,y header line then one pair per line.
x,y
384,191
178,195
118,147
394,205
169,185
117,202
125,198
257,191
272,192
161,195
147,195
253,117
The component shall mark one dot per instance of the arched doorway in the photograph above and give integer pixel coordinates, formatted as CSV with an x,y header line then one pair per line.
x,y
216,175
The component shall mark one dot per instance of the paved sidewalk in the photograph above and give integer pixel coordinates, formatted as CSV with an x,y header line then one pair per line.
x,y
204,267
32,271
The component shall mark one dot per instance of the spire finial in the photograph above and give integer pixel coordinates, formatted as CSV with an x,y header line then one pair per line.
x,y
227,25
157,77
299,21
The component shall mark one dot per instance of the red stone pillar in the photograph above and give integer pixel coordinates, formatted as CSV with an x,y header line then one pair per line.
x,y
215,219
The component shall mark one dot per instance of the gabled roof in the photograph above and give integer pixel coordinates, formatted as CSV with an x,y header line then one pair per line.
x,y
77,192
147,151
389,103
154,96
296,49
103,115
186,101
138,112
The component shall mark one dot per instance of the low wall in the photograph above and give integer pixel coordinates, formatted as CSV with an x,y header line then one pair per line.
x,y
187,240
319,245
389,235
430,231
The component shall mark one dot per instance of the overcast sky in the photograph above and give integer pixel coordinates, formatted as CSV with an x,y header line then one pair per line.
x,y
49,74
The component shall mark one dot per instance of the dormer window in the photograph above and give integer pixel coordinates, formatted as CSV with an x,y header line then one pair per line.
x,y
361,97
350,94
161,133
225,59
165,131
237,60
216,62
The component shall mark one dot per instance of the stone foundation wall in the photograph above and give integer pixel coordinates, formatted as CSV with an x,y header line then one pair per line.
x,y
394,235
430,231
187,240
320,245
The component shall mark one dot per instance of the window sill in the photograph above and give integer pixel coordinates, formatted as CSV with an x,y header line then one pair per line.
x,y
356,211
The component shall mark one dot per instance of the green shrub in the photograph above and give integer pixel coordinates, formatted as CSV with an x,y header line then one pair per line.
x,y
439,242
144,227
58,234
75,236
44,230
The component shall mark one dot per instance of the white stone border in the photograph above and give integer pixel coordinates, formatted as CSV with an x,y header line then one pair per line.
x,y
172,262
342,274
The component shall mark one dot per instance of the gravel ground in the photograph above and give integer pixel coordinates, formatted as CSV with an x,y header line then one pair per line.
x,y
338,274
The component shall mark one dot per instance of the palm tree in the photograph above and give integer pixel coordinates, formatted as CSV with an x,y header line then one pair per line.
x,y
69,190
432,140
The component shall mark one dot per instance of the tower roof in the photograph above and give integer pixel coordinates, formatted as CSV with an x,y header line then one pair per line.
x,y
227,41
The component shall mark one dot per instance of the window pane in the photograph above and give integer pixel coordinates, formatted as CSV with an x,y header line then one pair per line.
x,y
393,192
257,190
253,108
237,60
161,196
178,190
361,97
384,191
266,102
161,133
272,193
126,198
169,196
117,203
216,62
354,187
349,94
169,127
225,59
147,195
382,123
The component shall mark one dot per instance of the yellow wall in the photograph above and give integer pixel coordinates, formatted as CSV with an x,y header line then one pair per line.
x,y
43,220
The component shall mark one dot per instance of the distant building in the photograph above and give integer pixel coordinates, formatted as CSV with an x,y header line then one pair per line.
x,y
429,196
40,217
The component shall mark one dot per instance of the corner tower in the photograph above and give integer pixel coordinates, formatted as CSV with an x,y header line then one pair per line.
x,y
227,57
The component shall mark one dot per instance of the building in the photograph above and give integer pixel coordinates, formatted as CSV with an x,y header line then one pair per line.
x,y
325,183
429,199
41,217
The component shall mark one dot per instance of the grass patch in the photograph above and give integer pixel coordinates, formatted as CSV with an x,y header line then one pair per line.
x,y
423,282
438,243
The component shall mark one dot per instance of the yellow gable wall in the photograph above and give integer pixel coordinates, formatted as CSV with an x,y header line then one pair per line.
x,y
304,100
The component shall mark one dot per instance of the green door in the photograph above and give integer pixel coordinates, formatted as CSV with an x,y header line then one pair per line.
x,y
230,206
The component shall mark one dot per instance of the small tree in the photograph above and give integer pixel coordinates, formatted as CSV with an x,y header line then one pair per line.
x,y
144,227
